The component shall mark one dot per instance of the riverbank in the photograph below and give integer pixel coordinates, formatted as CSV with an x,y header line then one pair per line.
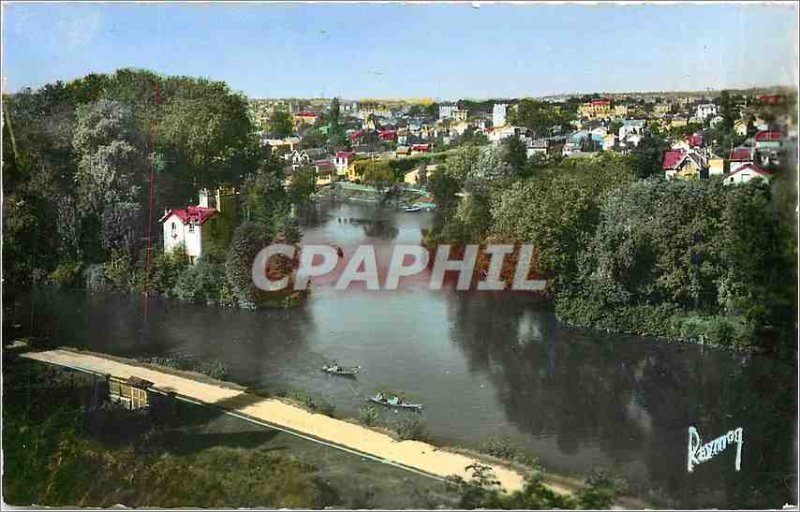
x,y
413,455
66,446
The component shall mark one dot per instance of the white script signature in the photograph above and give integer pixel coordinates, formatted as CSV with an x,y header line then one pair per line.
x,y
699,452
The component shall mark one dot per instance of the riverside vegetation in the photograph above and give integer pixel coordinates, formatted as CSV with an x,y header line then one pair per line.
x,y
77,163
626,250
67,448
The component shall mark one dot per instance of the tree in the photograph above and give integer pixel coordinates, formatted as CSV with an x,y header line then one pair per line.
x,y
646,157
248,239
111,165
539,116
444,188
281,123
301,186
516,156
264,195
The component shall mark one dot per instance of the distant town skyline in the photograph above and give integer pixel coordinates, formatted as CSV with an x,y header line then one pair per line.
x,y
403,51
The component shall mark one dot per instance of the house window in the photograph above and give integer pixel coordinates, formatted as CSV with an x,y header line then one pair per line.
x,y
191,227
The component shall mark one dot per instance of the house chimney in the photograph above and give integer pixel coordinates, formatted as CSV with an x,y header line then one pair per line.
x,y
203,198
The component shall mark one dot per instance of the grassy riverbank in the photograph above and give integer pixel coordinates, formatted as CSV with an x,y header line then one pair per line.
x,y
545,482
60,451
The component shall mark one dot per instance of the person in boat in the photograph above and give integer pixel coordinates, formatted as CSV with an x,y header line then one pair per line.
x,y
339,252
394,400
380,397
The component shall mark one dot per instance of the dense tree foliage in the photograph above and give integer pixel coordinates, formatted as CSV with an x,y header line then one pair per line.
x,y
540,116
281,123
692,260
77,160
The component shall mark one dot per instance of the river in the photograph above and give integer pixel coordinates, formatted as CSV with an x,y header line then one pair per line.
x,y
484,364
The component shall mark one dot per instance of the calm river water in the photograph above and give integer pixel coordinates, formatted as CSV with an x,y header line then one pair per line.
x,y
483,364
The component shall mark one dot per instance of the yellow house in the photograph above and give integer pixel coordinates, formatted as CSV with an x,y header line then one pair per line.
x,y
596,109
621,110
716,166
677,122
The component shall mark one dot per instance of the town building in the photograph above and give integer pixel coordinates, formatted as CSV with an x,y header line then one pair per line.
x,y
595,109
705,110
740,156
188,227
680,163
745,173
342,161
499,111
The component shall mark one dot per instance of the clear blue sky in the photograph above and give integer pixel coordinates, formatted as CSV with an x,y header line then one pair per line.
x,y
401,50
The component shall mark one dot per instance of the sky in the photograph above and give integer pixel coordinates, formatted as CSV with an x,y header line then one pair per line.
x,y
466,50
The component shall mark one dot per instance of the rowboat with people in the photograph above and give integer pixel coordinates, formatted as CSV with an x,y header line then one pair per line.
x,y
342,371
395,402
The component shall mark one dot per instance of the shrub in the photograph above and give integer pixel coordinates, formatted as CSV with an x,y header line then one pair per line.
x,y
199,282
66,274
504,447
600,492
94,277
368,415
119,271
411,428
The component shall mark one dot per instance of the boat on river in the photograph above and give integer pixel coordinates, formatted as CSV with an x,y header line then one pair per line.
x,y
413,208
394,402
335,369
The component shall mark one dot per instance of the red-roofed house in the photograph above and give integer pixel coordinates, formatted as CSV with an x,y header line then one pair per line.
x,y
355,135
185,226
387,134
342,160
420,148
746,173
599,108
739,157
305,117
770,98
683,164
768,139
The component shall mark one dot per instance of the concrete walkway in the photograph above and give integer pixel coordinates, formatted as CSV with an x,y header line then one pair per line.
x,y
412,455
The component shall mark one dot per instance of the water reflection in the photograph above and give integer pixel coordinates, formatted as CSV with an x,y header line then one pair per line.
x,y
633,400
484,364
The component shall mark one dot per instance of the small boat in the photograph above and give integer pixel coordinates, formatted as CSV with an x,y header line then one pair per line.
x,y
413,208
398,404
335,369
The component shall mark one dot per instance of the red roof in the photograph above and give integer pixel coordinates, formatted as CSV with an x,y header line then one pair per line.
x,y
345,154
752,167
604,101
306,113
196,214
420,147
387,134
739,154
356,134
768,135
695,139
672,158
770,98
325,164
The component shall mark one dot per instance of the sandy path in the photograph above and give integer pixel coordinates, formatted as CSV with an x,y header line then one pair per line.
x,y
413,454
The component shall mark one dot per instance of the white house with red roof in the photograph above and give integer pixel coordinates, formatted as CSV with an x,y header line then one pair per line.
x,y
342,161
745,173
185,226
770,139
740,156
